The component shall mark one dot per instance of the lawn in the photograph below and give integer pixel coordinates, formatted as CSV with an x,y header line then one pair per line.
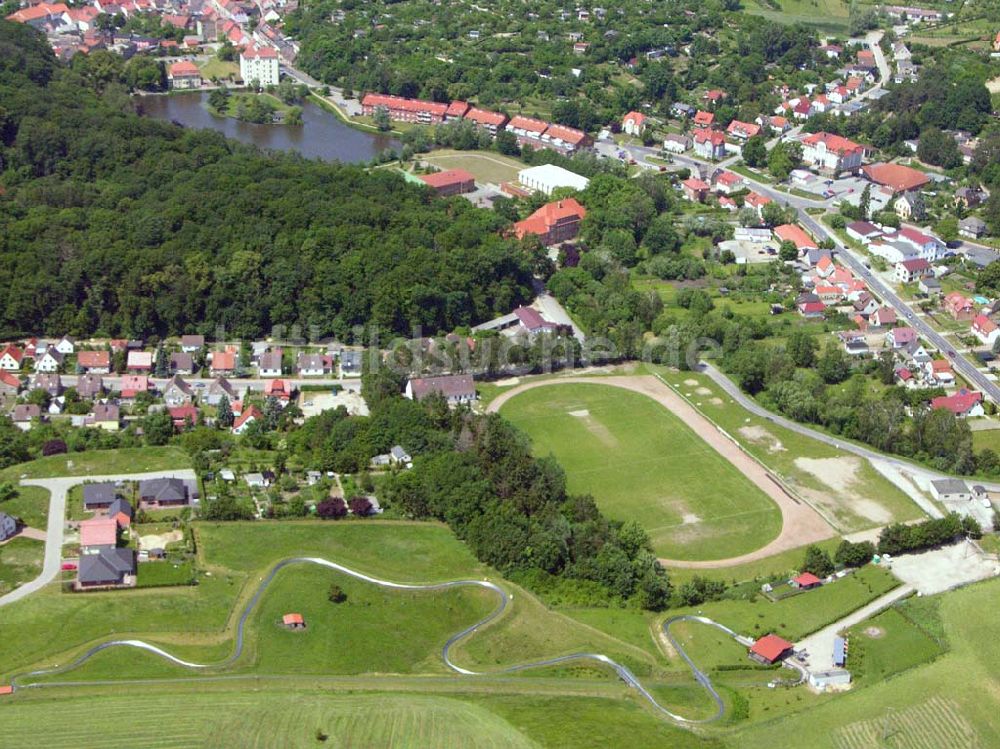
x,y
886,645
846,489
30,503
164,573
828,15
103,462
293,717
641,462
485,167
220,70
20,561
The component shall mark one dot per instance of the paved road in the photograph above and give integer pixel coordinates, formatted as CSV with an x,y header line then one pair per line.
x,y
58,489
504,601
820,644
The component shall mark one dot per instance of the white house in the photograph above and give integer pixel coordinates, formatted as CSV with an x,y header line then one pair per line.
x,y
908,271
259,64
66,345
676,143
984,329
269,364
633,123
50,361
10,359
831,152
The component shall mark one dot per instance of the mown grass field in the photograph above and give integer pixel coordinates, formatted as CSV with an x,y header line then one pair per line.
x,y
104,462
828,15
849,492
485,167
277,716
640,462
20,561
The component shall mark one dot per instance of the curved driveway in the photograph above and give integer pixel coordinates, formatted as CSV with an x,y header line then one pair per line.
x,y
801,524
623,672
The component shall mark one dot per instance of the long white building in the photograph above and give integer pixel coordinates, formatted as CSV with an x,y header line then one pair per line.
x,y
548,177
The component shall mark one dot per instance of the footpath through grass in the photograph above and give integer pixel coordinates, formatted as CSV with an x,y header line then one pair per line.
x,y
640,462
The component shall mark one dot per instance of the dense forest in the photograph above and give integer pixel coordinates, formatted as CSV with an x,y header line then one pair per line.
x,y
116,224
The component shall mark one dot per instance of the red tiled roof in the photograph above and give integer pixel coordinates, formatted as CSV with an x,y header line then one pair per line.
x,y
133,384
527,123
264,53
485,117
704,118
567,134
748,129
223,360
795,235
914,264
806,578
983,324
637,117
101,531
292,619
834,143
900,178
184,68
92,359
693,183
729,178
532,319
408,105
10,380
447,178
770,647
548,216
457,109
15,353
960,403
713,136
251,413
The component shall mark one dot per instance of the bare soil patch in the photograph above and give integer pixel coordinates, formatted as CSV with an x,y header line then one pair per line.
x,y
154,541
760,435
844,498
874,633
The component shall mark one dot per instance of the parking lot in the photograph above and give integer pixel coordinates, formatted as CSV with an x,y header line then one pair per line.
x,y
943,569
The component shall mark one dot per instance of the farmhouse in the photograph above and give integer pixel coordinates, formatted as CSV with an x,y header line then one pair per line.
x,y
450,182
770,649
553,222
456,389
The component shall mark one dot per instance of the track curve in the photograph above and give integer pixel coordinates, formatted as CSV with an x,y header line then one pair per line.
x,y
623,672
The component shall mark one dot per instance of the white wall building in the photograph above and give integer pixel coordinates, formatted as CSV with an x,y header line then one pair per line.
x,y
259,64
548,177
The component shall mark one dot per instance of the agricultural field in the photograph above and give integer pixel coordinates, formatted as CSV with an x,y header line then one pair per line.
x,y
640,462
102,463
845,489
485,167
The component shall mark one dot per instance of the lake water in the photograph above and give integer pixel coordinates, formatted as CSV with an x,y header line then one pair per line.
x,y
321,136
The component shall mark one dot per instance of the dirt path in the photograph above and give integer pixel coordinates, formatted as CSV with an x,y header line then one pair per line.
x,y
800,523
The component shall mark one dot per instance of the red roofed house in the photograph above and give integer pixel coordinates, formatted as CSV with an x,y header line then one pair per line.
x,y
795,235
770,649
985,330
450,182
403,109
900,337
456,110
703,119
939,371
710,144
11,358
94,362
491,121
223,362
553,222
958,306
532,321
742,130
908,271
633,123
896,177
132,385
714,95
38,13
293,621
183,75
884,317
10,384
695,190
727,183
812,309
963,403
99,531
182,415
805,581
280,389
831,153
245,419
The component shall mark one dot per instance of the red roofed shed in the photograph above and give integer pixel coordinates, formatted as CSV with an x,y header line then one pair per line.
x,y
770,649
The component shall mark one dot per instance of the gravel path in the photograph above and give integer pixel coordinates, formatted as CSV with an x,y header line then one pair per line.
x,y
801,524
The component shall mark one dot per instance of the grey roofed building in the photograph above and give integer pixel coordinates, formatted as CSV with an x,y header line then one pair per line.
x,y
399,454
26,412
350,362
311,362
99,495
181,362
89,386
105,413
121,506
972,226
177,391
220,387
8,526
108,566
270,361
454,388
163,491
51,383
950,489
192,342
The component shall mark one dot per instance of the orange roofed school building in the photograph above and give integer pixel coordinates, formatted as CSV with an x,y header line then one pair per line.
x,y
450,182
553,222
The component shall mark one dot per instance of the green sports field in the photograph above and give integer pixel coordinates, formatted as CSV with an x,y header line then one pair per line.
x,y
641,462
